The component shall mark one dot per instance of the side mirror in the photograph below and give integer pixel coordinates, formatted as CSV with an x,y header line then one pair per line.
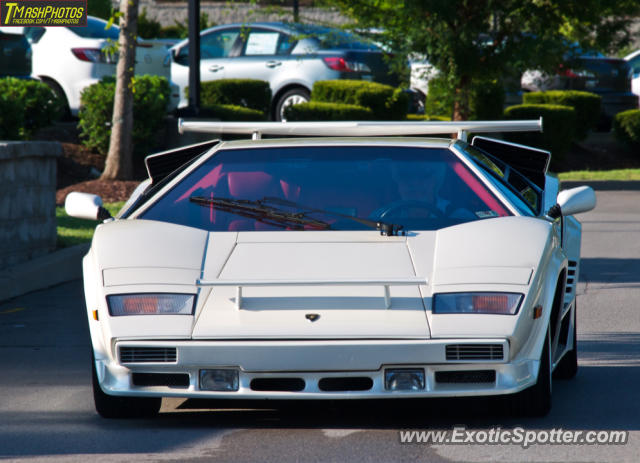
x,y
577,200
85,206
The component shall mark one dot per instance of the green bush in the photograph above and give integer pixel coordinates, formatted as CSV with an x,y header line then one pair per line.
x,y
558,123
148,28
99,8
626,126
586,105
439,100
229,112
384,101
150,98
249,93
486,99
41,107
323,111
426,117
11,118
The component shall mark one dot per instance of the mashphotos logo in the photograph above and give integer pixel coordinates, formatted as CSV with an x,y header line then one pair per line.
x,y
43,12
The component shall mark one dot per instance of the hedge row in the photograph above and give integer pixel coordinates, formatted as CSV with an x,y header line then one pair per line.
x,y
248,93
25,107
385,102
626,126
322,111
235,99
559,126
11,118
150,99
585,104
426,117
228,112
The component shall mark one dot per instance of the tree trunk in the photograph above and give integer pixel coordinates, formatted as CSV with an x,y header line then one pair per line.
x,y
119,163
461,105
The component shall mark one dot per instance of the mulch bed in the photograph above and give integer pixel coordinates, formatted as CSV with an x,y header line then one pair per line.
x,y
109,190
79,169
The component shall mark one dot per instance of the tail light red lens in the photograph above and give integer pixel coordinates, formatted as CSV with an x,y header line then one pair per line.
x,y
337,63
93,55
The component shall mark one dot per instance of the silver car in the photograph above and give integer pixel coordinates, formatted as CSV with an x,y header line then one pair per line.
x,y
291,57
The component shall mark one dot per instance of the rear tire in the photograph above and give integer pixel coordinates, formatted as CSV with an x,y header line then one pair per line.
x,y
289,98
109,406
535,401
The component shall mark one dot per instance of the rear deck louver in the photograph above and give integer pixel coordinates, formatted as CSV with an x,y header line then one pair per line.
x,y
147,354
474,352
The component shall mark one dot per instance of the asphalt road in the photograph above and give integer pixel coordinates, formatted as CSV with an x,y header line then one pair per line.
x,y
46,408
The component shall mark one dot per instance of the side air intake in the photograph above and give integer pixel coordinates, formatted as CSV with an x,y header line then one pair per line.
x,y
474,352
148,354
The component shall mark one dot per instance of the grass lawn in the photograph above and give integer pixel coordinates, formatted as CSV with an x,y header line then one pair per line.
x,y
73,231
617,174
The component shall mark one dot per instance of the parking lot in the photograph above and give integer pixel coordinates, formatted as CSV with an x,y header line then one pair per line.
x,y
46,409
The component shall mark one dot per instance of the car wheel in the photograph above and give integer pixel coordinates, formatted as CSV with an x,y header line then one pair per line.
x,y
53,85
535,401
289,98
568,366
109,406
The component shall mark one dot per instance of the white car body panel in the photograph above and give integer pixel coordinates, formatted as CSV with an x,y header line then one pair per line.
x,y
54,60
634,61
355,330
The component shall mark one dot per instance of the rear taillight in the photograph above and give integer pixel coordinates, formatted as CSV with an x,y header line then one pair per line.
x,y
92,55
338,63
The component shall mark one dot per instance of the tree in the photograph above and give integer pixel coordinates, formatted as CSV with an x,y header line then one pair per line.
x,y
119,163
470,40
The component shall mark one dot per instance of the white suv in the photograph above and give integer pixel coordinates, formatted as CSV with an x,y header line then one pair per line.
x,y
69,59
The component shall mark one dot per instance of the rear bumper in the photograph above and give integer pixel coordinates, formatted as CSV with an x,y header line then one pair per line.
x,y
313,361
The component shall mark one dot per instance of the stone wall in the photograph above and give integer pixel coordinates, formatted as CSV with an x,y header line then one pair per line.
x,y
227,12
27,200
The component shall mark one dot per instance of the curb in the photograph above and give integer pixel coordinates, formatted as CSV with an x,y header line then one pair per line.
x,y
40,273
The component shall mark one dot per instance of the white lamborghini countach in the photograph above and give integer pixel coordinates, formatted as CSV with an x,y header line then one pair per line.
x,y
364,264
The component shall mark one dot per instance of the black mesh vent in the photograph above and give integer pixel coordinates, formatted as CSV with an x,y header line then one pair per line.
x,y
474,352
472,376
148,354
278,384
178,380
345,384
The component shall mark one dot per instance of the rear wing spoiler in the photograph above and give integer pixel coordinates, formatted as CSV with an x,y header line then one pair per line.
x,y
359,128
533,163
160,165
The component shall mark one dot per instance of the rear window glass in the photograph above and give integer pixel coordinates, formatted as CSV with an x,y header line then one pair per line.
x,y
326,188
331,38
